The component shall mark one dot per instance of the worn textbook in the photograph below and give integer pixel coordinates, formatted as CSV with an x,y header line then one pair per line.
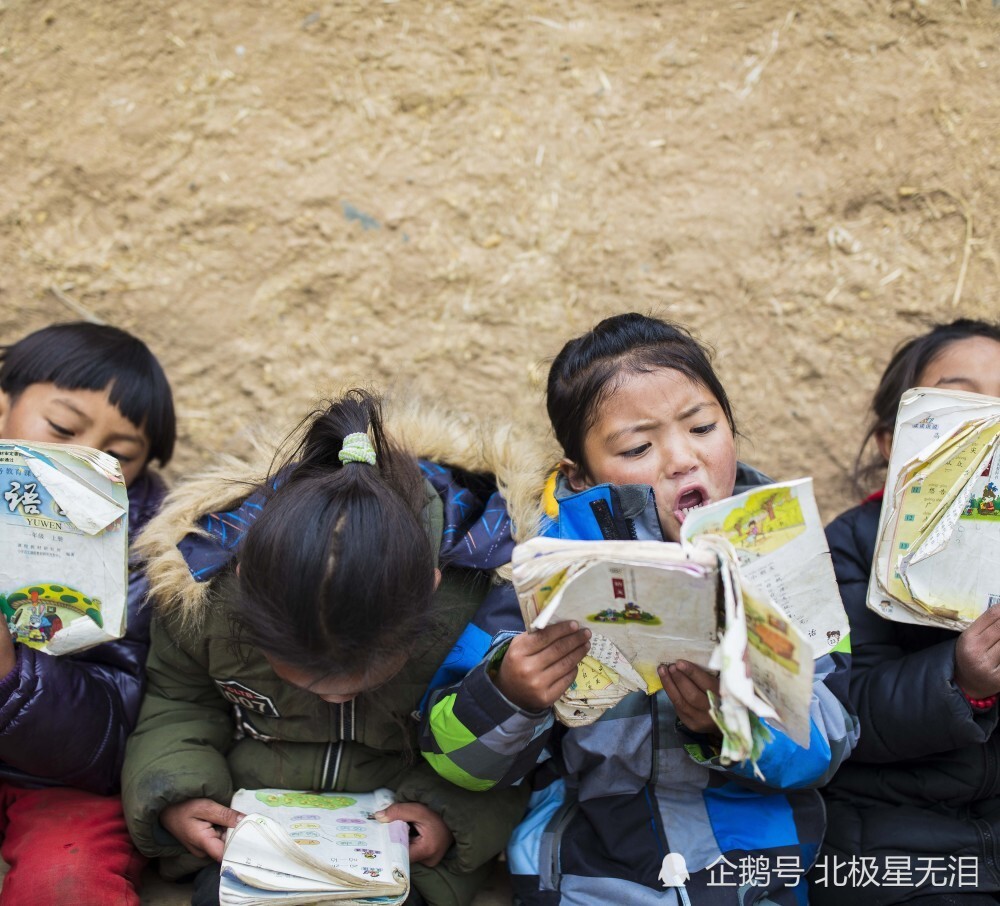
x,y
749,591
64,543
939,532
297,847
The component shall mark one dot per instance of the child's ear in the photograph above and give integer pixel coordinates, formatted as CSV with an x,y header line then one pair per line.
x,y
437,579
883,440
4,409
575,474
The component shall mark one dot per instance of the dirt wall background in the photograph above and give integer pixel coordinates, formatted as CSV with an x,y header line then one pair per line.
x,y
284,197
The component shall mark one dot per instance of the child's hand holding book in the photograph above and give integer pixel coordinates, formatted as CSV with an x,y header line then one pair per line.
x,y
539,667
430,837
198,824
687,686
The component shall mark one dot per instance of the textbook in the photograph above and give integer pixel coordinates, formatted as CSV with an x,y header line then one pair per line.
x,y
64,543
749,591
939,531
297,847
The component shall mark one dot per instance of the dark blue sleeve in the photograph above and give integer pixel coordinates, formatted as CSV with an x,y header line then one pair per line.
x,y
64,720
902,676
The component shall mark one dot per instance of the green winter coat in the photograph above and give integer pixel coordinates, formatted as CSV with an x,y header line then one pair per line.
x,y
216,718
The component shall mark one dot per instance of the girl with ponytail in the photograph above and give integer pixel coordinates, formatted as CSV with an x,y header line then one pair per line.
x,y
296,630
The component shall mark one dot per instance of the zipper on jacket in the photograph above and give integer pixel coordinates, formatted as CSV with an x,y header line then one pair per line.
x,y
346,717
325,772
989,846
332,784
347,720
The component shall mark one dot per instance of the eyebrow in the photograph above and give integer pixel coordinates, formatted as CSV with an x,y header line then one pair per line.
x,y
650,425
955,380
131,438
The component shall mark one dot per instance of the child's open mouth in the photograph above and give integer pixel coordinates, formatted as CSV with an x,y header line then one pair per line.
x,y
689,500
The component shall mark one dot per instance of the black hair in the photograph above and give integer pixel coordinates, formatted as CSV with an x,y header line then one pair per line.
x,y
337,572
84,356
909,360
590,368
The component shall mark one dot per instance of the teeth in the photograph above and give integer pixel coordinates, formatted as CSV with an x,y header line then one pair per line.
x,y
694,506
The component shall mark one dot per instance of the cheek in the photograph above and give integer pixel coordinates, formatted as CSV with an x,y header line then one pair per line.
x,y
724,465
131,472
25,425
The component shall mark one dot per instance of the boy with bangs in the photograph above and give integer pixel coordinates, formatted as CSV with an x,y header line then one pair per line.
x,y
64,720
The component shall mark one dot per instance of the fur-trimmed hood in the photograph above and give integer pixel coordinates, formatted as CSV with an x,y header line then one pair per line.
x,y
521,466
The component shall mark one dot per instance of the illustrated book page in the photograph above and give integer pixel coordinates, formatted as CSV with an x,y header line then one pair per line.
x,y
300,847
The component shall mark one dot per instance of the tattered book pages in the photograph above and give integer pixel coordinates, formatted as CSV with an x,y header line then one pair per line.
x,y
759,617
64,531
940,524
298,847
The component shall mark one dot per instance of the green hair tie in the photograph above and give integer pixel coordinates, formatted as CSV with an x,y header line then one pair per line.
x,y
357,448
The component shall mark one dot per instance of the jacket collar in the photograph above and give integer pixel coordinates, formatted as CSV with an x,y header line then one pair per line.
x,y
619,512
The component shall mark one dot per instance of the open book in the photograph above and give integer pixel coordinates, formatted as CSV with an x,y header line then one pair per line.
x,y
749,591
295,847
939,532
64,544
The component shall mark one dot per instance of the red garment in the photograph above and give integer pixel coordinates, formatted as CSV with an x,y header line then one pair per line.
x,y
66,847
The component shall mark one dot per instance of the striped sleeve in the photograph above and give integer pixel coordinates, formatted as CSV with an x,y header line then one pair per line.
x,y
470,733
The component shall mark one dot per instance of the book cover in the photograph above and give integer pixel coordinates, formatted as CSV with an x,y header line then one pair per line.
x,y
64,536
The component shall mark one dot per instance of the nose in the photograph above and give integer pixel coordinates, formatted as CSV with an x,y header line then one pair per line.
x,y
680,460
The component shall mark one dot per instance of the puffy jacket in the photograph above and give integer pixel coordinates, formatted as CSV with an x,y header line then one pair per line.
x,y
616,796
923,785
217,718
91,697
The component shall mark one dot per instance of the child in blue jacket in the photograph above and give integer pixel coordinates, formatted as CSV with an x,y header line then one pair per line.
x,y
647,434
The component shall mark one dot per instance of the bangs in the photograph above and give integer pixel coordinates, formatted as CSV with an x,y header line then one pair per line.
x,y
96,357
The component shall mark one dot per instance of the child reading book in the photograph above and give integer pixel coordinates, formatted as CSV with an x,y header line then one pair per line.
x,y
296,628
640,797
64,720
921,790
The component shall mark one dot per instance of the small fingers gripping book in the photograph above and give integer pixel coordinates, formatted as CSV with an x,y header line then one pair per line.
x,y
298,847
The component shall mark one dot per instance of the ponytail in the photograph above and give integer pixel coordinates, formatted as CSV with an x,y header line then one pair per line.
x,y
337,571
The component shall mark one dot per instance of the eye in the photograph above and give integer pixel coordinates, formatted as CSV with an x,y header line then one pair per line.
x,y
704,429
121,457
59,429
635,451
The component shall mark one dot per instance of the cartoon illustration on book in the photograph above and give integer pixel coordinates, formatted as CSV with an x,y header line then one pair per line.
x,y
36,613
770,519
287,799
630,611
